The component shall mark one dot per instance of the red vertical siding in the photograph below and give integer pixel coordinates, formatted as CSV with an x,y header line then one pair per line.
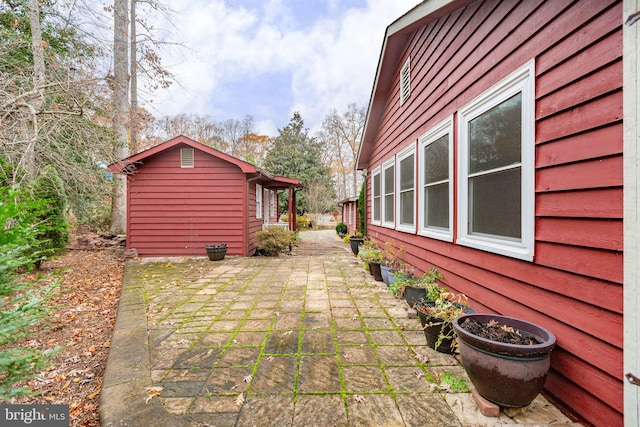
x,y
177,211
574,284
350,216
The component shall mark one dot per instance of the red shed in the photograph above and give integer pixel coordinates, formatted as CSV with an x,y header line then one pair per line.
x,y
350,216
493,150
183,195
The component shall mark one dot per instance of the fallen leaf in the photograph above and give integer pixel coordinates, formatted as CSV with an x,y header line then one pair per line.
x,y
422,358
419,375
240,399
358,398
286,334
247,379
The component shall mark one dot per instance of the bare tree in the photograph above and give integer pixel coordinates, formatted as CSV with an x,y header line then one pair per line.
x,y
341,136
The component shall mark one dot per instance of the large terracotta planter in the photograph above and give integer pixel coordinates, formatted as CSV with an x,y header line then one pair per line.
x,y
509,375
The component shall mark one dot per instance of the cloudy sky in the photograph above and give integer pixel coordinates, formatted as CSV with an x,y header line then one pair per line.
x,y
269,58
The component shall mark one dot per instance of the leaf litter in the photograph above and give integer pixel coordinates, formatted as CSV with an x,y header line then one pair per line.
x,y
81,326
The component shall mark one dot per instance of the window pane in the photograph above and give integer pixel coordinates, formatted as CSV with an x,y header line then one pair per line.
x,y
494,204
376,209
388,180
437,206
388,208
437,160
407,208
376,185
495,136
407,175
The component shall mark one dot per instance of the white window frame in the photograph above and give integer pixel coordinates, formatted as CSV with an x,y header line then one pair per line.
x,y
391,163
187,161
377,171
520,81
443,128
259,205
402,155
405,81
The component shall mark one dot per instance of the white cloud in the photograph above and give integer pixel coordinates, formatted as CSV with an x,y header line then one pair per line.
x,y
329,64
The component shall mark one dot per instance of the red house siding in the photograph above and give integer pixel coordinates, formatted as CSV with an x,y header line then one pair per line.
x,y
177,211
574,284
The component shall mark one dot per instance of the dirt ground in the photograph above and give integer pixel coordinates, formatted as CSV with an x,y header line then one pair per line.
x,y
81,326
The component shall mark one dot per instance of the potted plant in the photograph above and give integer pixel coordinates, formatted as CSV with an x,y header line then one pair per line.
x,y
372,256
425,287
356,241
392,261
437,319
341,229
506,359
216,252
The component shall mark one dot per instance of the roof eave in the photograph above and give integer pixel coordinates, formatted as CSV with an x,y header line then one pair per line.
x,y
396,36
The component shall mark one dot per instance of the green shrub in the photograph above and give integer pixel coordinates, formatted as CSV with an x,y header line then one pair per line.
x,y
341,229
272,240
54,229
21,305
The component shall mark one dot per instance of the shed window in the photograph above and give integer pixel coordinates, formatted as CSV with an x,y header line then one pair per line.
x,y
436,170
375,206
388,193
497,168
186,157
405,81
406,179
258,201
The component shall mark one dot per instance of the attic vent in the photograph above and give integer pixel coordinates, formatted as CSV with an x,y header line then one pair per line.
x,y
186,157
405,81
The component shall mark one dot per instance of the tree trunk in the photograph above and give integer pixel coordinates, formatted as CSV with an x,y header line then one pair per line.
x,y
34,104
133,65
120,114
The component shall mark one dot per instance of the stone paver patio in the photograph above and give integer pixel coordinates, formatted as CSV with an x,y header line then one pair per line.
x,y
286,341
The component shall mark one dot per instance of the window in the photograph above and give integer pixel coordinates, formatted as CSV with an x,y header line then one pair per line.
x,y
186,157
436,191
388,194
406,198
376,204
405,81
258,201
496,164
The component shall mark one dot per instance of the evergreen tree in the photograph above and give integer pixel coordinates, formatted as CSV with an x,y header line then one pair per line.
x,y
295,154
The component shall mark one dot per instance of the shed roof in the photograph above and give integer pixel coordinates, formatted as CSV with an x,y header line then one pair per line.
x,y
125,165
397,35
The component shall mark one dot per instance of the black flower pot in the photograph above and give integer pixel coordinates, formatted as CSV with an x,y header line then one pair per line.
x,y
374,268
509,375
355,242
432,327
413,294
216,252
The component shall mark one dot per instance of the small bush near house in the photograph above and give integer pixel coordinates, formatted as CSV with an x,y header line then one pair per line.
x,y
341,229
273,240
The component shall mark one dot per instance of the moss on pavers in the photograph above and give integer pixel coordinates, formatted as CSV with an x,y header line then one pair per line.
x,y
279,342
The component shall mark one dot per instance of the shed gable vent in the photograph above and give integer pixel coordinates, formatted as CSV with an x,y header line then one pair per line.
x,y
405,81
186,157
